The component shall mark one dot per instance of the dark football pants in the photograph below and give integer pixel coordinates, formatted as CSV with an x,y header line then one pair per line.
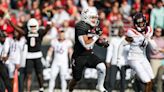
x,y
5,77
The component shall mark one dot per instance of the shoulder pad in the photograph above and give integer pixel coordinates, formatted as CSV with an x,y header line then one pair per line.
x,y
132,32
81,25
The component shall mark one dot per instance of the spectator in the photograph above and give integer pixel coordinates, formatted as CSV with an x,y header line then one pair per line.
x,y
116,60
157,16
72,10
69,31
125,10
159,78
115,19
60,16
156,58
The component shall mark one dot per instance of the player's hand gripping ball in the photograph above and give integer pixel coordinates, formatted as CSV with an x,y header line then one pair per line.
x,y
98,31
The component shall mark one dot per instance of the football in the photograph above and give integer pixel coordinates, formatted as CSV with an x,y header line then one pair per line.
x,y
102,42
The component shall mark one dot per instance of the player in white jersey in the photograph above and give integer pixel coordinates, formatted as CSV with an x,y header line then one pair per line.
x,y
139,37
62,48
12,50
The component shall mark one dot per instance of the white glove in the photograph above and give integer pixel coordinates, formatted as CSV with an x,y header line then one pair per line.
x,y
45,63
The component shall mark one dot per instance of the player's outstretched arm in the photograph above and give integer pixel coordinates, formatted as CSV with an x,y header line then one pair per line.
x,y
18,29
48,27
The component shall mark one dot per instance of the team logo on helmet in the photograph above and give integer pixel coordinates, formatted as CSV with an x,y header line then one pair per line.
x,y
90,16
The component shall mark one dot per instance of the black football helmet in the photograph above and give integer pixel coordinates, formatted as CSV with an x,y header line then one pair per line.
x,y
139,21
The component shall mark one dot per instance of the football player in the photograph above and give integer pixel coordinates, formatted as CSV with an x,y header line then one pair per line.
x,y
62,48
34,35
139,37
87,33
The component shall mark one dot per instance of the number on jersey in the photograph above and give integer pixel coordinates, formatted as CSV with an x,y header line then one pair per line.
x,y
32,41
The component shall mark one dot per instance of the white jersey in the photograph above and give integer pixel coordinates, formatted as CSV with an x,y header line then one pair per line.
x,y
137,56
140,41
117,50
13,49
61,50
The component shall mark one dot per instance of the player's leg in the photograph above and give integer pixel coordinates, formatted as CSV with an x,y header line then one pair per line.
x,y
39,73
141,72
11,68
149,71
77,69
2,86
29,69
101,70
95,62
63,71
54,73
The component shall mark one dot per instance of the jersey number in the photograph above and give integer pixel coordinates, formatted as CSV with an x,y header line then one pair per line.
x,y
144,43
32,41
59,50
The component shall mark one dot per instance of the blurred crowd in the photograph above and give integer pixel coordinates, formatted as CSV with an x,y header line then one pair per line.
x,y
114,15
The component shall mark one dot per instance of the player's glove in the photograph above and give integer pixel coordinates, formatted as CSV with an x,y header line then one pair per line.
x,y
98,31
102,42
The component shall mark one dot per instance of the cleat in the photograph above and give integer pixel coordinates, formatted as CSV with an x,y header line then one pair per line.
x,y
102,89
